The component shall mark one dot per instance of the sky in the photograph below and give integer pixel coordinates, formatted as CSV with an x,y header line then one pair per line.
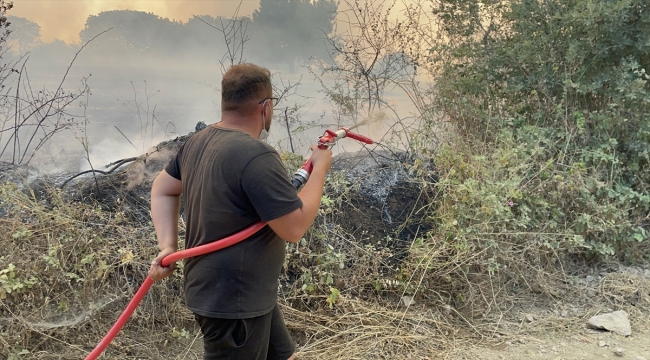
x,y
64,19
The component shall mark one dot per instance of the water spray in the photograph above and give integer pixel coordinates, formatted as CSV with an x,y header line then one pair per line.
x,y
327,141
374,117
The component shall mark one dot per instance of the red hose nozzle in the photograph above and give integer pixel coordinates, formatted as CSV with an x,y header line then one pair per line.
x,y
363,139
325,142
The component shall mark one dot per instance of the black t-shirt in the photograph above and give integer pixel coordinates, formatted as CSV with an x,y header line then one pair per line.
x,y
230,181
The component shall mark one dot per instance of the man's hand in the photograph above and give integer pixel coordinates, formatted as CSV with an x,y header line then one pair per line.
x,y
321,158
292,226
157,271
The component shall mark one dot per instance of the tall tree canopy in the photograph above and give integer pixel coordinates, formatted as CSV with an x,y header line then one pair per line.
x,y
25,34
284,30
133,33
279,32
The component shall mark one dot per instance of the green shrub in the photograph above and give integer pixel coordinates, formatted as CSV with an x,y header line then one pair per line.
x,y
552,100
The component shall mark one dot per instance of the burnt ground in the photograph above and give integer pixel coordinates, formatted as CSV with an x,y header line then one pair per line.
x,y
382,203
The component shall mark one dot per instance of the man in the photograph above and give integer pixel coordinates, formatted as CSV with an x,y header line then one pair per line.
x,y
229,180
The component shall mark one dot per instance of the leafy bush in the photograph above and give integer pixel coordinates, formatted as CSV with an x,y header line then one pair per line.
x,y
554,98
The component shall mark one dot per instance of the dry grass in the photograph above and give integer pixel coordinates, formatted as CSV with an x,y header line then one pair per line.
x,y
362,330
87,262
78,266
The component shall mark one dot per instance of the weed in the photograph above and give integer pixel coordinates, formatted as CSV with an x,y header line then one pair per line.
x,y
11,283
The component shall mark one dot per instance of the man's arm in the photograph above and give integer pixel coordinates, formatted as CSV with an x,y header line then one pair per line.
x,y
292,227
165,205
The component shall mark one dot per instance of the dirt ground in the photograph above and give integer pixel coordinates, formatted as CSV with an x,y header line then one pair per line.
x,y
582,344
547,336
559,330
575,344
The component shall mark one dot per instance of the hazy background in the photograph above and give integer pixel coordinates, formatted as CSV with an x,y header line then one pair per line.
x,y
157,71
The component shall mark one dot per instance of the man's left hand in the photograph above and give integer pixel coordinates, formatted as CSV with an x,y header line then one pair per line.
x,y
159,272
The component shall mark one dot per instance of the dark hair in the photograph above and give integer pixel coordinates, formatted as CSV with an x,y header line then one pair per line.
x,y
242,84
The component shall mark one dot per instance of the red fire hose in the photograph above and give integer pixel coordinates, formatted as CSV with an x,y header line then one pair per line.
x,y
170,259
300,178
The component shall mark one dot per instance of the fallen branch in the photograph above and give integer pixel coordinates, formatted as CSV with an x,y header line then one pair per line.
x,y
119,163
107,172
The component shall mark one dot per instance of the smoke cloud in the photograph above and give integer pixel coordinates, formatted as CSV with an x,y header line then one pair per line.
x,y
153,79
63,20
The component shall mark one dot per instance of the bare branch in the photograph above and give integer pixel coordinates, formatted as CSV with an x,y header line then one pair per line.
x,y
36,116
127,139
234,33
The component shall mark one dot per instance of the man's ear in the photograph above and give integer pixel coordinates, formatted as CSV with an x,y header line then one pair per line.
x,y
266,108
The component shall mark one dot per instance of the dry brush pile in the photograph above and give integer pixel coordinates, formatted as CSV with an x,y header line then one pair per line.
x,y
77,255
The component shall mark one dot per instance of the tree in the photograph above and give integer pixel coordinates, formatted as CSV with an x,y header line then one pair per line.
x,y
287,30
234,36
4,24
133,34
371,56
25,33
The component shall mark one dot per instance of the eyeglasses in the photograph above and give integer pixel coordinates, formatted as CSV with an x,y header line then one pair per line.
x,y
274,101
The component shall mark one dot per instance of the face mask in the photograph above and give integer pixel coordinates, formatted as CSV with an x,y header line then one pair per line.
x,y
264,134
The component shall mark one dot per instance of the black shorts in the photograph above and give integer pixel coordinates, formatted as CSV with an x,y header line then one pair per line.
x,y
260,338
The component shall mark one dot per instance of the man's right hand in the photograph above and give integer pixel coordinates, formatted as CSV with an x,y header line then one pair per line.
x,y
292,226
321,158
